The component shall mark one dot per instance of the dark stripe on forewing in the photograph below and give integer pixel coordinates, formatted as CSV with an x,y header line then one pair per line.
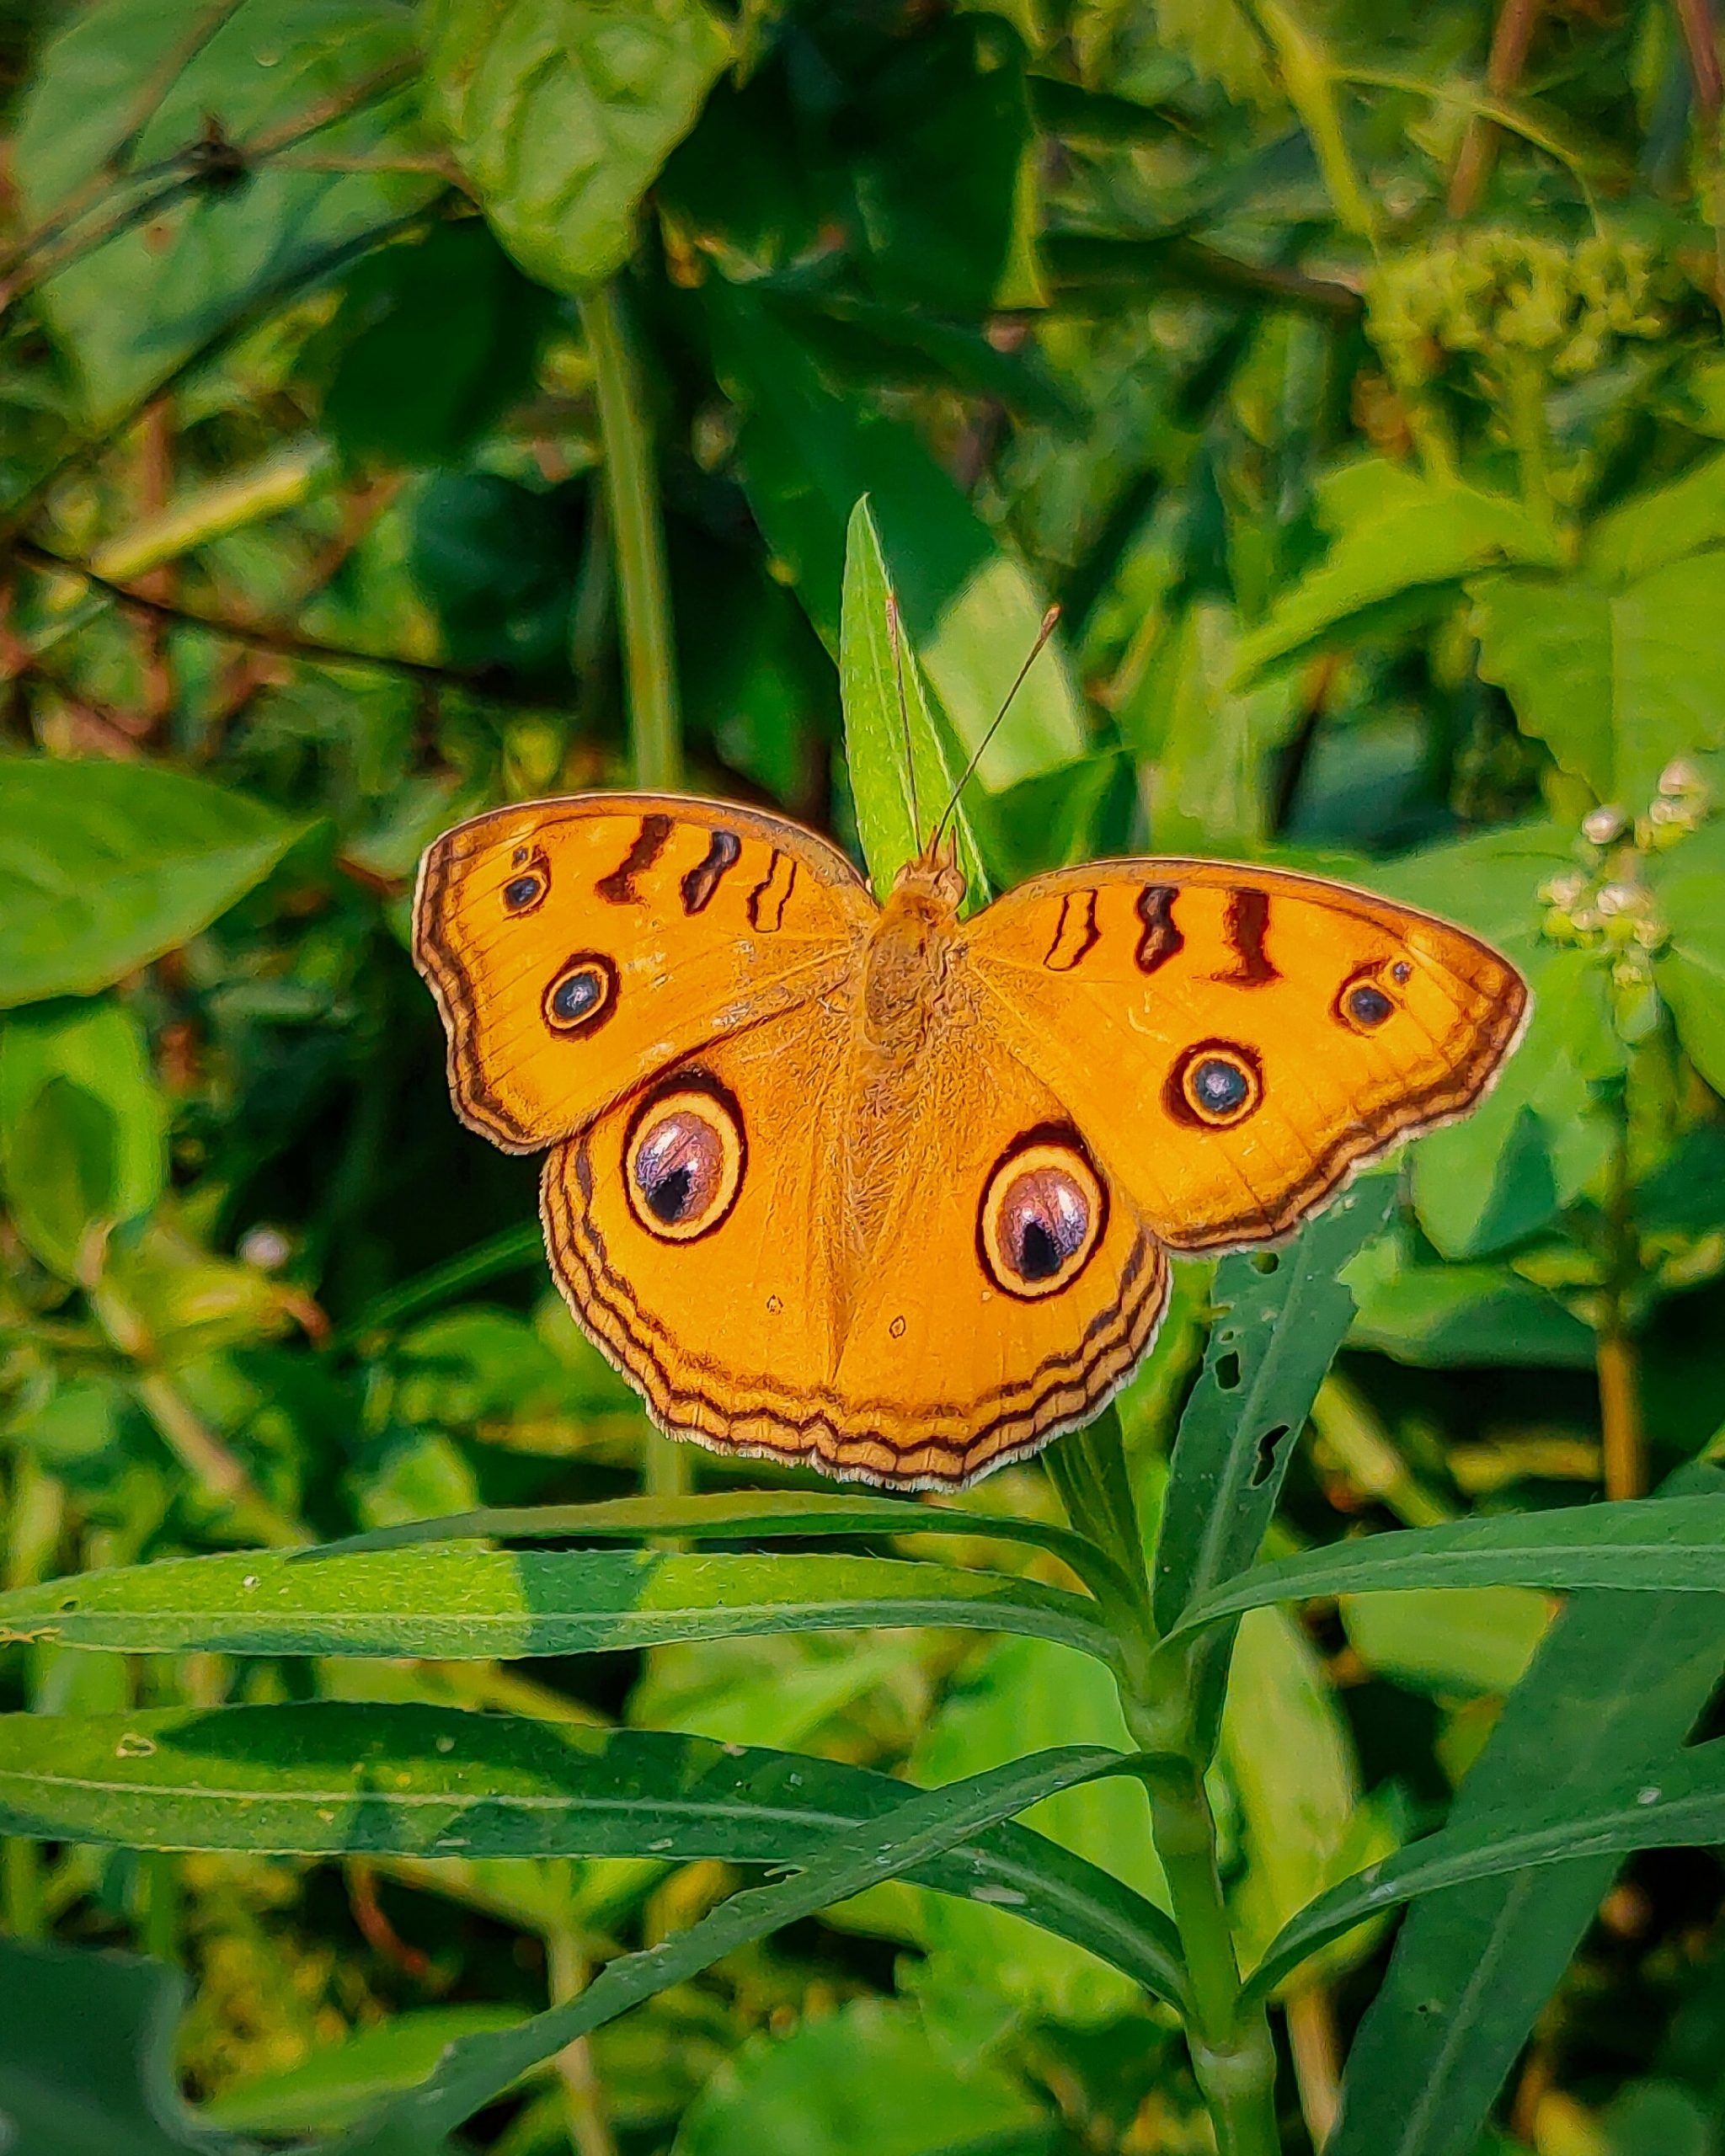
x,y
1246,924
702,880
1161,939
1074,935
618,888
771,896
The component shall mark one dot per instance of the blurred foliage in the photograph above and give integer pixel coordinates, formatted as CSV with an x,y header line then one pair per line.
x,y
406,409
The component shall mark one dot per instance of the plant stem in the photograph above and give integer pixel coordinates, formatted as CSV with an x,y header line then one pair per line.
x,y
1310,81
21,1888
584,2100
1511,41
1623,1443
632,500
1527,430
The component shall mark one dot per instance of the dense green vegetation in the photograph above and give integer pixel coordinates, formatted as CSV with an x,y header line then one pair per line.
x,y
406,409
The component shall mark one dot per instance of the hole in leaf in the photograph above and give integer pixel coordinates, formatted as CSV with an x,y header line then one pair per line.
x,y
1265,1261
1267,1444
1227,1371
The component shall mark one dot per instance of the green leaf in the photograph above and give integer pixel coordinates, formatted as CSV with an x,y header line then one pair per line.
x,y
1690,972
916,1832
335,2084
1454,1316
105,865
64,2093
563,111
131,312
1209,742
460,1603
1280,1317
1657,526
1018,1695
1395,534
335,1779
83,1126
1615,1686
1454,1642
807,454
1616,682
866,2081
1289,1762
1677,1802
901,776
1673,1545
737,1516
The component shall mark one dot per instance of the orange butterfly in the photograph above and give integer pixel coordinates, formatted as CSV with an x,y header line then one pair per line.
x,y
889,1194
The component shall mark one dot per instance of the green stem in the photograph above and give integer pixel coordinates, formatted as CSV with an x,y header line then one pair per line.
x,y
631,501
1232,2053
21,1888
1310,81
1526,413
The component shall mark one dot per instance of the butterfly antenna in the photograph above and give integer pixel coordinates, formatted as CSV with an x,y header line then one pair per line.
x,y
897,643
969,772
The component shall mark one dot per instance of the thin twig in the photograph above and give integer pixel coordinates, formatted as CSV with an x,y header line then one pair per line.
x,y
285,643
1512,39
1616,1361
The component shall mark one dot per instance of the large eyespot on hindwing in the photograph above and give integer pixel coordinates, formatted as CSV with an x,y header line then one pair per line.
x,y
1043,1212
684,1158
1214,1084
581,994
528,881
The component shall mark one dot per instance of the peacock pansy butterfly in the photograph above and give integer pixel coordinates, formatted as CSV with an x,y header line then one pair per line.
x,y
889,1194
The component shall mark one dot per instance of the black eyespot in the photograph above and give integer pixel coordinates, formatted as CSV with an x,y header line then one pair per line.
x,y
683,1158
1042,1213
1369,1006
1401,972
1214,1084
1222,1089
525,892
582,994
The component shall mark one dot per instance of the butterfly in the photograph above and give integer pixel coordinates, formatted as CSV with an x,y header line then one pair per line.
x,y
881,1191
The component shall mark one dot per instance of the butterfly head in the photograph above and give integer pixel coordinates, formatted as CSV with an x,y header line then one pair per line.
x,y
934,880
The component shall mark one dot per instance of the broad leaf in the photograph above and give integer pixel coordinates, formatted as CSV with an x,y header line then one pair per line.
x,y
105,865
807,454
563,111
335,1779
83,1126
87,2063
1395,535
1672,1545
131,311
460,1602
1616,682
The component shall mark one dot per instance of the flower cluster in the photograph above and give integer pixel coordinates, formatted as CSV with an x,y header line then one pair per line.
x,y
1491,299
1603,904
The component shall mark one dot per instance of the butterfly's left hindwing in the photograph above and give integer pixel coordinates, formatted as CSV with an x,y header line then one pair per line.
x,y
576,946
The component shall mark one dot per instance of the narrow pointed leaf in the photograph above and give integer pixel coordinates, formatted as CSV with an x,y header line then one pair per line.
x,y
1672,1545
923,1829
335,1779
455,1602
1679,1804
1615,1686
731,1516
